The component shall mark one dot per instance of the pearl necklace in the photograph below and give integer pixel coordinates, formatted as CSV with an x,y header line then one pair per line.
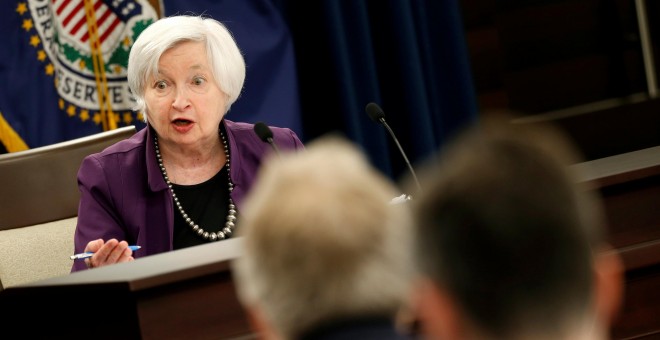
x,y
231,211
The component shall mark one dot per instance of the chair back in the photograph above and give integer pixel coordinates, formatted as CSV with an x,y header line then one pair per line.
x,y
39,207
40,185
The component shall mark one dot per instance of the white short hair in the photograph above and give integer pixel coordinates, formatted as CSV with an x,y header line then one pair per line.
x,y
322,241
225,57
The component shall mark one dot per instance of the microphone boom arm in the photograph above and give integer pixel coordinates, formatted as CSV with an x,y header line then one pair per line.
x,y
266,135
274,146
387,126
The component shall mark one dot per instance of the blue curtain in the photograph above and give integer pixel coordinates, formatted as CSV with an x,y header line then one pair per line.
x,y
312,66
408,56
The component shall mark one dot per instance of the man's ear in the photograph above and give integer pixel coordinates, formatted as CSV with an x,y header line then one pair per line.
x,y
610,283
259,324
438,315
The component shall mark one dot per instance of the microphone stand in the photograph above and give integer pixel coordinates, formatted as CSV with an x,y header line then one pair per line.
x,y
405,158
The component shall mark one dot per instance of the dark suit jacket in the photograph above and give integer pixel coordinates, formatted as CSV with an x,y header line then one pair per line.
x,y
358,329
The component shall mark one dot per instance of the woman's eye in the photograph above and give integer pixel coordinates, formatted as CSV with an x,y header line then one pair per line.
x,y
198,80
161,84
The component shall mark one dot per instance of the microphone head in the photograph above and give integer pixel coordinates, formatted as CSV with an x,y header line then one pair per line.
x,y
375,112
263,131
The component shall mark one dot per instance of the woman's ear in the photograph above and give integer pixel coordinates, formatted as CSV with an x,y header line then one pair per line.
x,y
610,284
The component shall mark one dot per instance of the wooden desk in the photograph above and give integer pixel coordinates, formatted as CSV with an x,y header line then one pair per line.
x,y
630,187
189,293
184,294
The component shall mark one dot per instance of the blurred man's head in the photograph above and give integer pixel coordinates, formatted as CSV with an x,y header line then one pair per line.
x,y
322,243
508,241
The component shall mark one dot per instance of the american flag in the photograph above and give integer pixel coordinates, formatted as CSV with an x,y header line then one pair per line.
x,y
111,16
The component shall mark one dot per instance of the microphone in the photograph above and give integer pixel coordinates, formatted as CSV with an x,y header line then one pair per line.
x,y
266,135
377,115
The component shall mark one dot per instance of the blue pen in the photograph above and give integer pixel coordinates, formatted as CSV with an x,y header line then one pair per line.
x,y
83,256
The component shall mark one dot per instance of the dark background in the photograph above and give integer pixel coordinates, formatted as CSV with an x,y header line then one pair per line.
x,y
577,63
434,66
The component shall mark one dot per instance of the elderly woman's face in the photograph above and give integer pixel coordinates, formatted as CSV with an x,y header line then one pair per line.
x,y
184,104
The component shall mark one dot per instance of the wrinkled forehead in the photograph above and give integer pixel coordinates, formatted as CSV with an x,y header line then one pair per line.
x,y
187,54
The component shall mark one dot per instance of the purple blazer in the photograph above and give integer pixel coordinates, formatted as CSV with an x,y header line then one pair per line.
x,y
123,194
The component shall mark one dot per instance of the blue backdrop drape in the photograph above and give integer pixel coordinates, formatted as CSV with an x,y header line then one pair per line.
x,y
408,56
313,66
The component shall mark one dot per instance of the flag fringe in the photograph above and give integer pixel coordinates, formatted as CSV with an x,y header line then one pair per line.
x,y
11,140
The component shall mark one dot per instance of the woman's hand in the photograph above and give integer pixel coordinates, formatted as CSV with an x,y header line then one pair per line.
x,y
106,253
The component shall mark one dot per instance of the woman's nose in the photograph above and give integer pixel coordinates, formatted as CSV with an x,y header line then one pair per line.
x,y
181,98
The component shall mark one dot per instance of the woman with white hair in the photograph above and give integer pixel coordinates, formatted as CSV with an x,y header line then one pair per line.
x,y
180,181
